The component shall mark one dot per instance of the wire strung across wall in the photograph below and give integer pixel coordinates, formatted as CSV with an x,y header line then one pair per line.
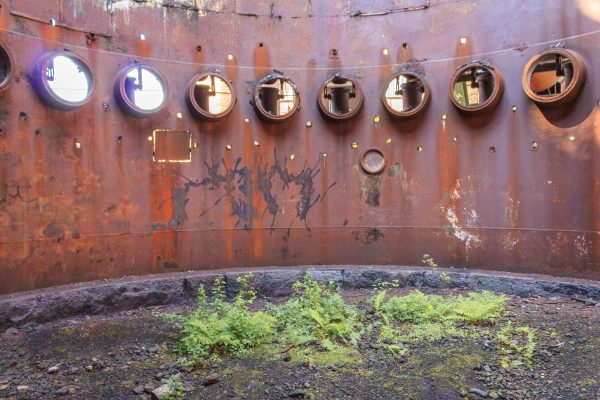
x,y
361,67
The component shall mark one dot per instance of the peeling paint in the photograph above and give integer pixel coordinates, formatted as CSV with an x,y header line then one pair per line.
x,y
464,236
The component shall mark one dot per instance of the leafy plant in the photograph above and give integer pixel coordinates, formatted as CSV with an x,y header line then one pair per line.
x,y
219,326
317,313
418,316
428,261
175,387
444,278
517,344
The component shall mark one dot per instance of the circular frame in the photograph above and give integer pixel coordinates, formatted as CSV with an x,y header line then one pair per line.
x,y
414,112
125,103
494,98
571,92
10,60
195,107
340,117
261,110
44,90
370,170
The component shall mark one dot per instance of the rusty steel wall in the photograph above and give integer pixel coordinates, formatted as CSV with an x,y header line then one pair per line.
x,y
104,210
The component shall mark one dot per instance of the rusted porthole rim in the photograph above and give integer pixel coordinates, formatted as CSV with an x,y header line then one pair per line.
x,y
415,111
127,105
11,62
258,106
359,95
492,101
46,92
579,75
195,107
362,161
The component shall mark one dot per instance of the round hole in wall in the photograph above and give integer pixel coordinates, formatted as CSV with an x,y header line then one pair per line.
x,y
6,67
340,97
476,87
63,80
276,98
210,96
555,76
372,161
140,90
406,94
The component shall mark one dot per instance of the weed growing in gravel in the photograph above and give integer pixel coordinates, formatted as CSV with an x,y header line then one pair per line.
x,y
219,326
418,316
175,386
317,324
317,313
428,260
517,344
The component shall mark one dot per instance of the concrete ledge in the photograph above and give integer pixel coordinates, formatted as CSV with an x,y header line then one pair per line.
x,y
128,293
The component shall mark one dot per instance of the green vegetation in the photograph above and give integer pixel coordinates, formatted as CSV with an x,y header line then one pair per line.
x,y
175,386
428,261
317,313
222,327
315,325
418,316
517,344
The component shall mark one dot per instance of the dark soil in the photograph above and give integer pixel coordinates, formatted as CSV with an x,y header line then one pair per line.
x,y
126,356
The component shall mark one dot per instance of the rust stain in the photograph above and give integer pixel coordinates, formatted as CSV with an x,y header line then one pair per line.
x,y
105,210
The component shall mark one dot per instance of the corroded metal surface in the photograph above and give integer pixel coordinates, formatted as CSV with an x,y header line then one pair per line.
x,y
294,193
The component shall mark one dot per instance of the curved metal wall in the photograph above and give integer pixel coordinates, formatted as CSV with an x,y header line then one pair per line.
x,y
104,209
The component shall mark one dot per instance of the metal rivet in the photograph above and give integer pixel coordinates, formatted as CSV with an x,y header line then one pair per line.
x,y
52,21
308,124
420,149
514,108
534,146
195,145
377,118
246,120
463,41
444,117
386,52
455,140
572,138
230,57
292,156
179,115
492,149
256,143
228,147
389,140
354,145
77,145
142,37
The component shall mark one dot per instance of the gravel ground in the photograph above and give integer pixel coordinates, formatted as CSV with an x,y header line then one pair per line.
x,y
128,356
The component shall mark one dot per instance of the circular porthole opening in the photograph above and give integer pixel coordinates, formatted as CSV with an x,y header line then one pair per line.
x,y
210,96
476,87
555,76
372,161
6,67
64,80
406,94
140,90
340,98
276,98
